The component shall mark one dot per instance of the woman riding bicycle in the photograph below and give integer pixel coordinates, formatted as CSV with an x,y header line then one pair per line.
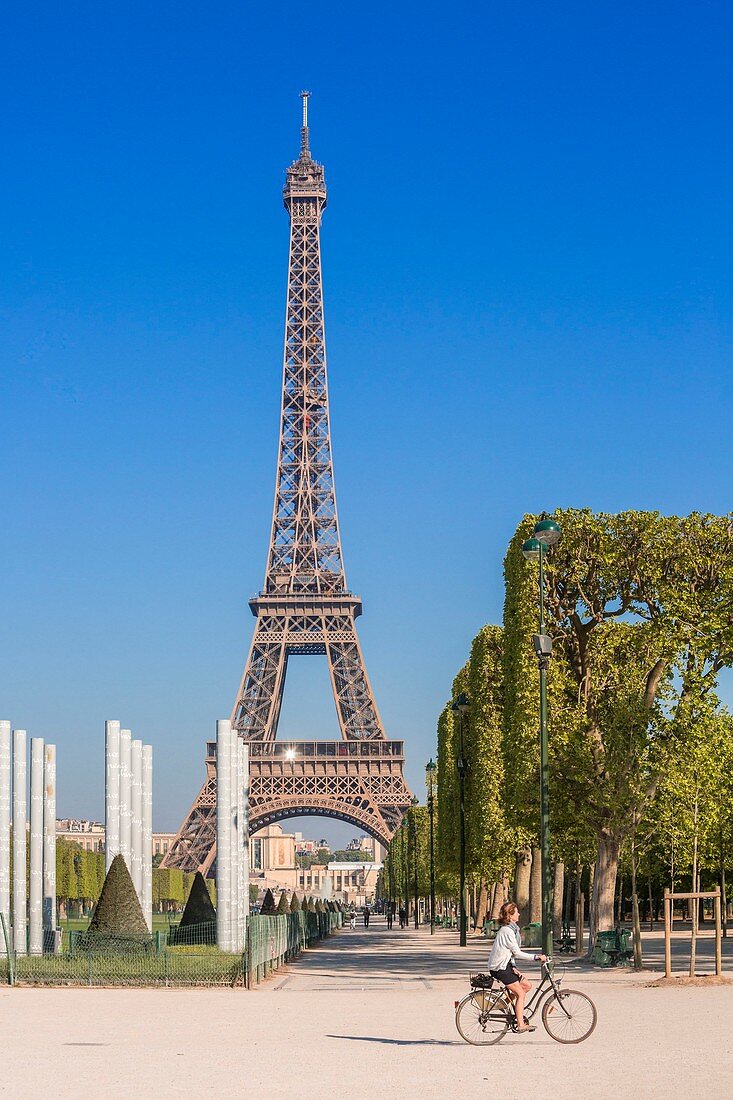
x,y
507,947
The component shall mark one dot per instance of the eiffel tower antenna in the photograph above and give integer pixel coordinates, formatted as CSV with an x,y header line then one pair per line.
x,y
304,146
304,607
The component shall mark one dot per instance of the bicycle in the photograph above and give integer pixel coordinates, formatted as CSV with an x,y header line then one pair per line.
x,y
486,1014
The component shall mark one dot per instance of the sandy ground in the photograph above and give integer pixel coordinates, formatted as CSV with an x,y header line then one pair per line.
x,y
368,1014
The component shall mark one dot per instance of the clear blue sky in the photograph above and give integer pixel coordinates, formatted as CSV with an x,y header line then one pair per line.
x,y
527,261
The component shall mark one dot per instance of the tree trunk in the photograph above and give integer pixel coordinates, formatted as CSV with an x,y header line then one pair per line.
x,y
502,895
535,887
521,883
651,903
724,905
483,905
577,911
604,883
557,900
635,911
497,900
566,900
695,886
620,906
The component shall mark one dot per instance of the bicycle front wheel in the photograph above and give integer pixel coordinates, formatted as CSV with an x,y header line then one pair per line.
x,y
570,1017
482,1019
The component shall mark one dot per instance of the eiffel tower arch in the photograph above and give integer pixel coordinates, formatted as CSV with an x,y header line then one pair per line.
x,y
305,606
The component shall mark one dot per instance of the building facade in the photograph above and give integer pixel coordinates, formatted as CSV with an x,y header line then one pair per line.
x,y
90,835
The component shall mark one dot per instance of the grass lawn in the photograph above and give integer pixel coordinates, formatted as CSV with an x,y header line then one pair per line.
x,y
161,923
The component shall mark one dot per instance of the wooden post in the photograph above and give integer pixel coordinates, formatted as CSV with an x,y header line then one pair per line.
x,y
718,936
667,934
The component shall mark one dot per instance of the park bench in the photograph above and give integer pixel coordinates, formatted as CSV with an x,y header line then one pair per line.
x,y
566,944
490,928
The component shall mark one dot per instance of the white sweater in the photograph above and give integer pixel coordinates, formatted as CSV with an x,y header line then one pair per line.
x,y
507,946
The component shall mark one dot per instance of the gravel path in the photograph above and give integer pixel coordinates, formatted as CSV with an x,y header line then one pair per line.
x,y
367,1014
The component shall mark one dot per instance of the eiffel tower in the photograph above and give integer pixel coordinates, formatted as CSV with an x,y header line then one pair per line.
x,y
305,606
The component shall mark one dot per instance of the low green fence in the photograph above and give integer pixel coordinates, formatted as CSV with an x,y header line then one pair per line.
x,y
164,968
182,957
272,941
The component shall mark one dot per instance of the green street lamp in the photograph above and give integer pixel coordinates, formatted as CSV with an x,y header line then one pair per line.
x,y
461,707
413,837
546,534
430,779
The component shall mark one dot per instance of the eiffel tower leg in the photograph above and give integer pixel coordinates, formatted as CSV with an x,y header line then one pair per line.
x,y
259,699
194,848
357,711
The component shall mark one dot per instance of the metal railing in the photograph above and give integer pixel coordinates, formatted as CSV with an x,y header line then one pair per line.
x,y
182,957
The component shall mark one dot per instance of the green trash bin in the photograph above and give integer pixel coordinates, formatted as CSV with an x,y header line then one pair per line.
x,y
612,948
604,949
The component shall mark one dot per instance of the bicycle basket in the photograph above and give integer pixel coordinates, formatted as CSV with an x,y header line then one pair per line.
x,y
481,981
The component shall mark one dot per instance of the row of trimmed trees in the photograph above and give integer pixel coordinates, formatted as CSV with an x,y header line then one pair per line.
x,y
80,876
640,609
294,904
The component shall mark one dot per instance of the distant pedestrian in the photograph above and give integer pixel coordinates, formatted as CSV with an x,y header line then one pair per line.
x,y
352,919
390,914
403,916
366,914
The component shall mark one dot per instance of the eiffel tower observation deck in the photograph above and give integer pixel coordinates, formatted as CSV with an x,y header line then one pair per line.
x,y
305,606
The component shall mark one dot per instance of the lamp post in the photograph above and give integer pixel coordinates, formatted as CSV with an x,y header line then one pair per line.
x,y
545,535
290,757
413,836
404,856
430,770
460,707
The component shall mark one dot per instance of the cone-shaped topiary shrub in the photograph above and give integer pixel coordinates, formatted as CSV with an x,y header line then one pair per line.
x,y
268,904
311,905
199,908
198,923
282,905
294,904
117,915
320,907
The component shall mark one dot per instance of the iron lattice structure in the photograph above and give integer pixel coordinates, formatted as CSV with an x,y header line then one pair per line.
x,y
305,607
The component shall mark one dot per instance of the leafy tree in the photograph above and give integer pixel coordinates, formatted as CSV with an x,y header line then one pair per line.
x,y
489,844
66,884
639,607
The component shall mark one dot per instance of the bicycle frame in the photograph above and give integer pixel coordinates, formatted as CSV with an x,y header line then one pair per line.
x,y
547,987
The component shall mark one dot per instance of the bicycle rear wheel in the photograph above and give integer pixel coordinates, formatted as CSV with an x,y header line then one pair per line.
x,y
482,1019
571,1021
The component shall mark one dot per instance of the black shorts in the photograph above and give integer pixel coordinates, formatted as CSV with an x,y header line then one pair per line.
x,y
508,976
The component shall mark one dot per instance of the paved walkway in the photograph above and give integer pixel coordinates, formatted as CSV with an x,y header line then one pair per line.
x,y
367,1014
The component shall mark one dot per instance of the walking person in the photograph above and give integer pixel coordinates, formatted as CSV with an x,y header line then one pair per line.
x,y
403,916
390,914
352,919
366,914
